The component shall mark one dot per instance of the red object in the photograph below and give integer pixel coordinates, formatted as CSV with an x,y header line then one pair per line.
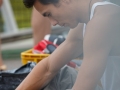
x,y
41,47
72,64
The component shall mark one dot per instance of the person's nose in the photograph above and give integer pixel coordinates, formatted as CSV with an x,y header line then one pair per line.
x,y
53,22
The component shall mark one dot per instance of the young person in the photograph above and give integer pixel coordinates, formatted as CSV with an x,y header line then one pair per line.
x,y
99,42
41,26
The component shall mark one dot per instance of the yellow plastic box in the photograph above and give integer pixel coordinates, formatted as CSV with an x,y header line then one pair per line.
x,y
28,56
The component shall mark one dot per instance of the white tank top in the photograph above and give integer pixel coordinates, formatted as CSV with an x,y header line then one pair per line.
x,y
93,9
111,77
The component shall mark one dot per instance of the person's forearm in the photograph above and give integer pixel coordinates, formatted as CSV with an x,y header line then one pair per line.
x,y
38,77
89,75
48,68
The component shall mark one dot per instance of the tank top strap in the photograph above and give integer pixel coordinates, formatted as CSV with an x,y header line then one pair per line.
x,y
99,3
84,29
93,9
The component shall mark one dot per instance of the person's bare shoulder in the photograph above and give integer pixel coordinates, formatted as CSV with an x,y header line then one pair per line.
x,y
110,11
109,15
104,27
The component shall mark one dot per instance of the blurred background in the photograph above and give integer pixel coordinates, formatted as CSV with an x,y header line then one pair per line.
x,y
16,31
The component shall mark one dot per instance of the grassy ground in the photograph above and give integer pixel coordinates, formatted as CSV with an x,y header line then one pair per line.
x,y
1,23
13,54
22,14
22,17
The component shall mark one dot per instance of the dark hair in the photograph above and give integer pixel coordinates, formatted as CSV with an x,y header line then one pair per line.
x,y
30,3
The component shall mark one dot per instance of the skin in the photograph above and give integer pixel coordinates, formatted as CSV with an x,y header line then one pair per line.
x,y
41,26
0,2
101,40
57,17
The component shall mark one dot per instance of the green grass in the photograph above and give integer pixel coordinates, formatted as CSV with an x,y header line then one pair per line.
x,y
1,23
21,13
12,54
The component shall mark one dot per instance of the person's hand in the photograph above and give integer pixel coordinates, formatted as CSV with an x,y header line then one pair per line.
x,y
0,2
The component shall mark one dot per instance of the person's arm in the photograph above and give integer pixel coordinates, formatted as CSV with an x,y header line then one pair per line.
x,y
46,69
98,42
41,26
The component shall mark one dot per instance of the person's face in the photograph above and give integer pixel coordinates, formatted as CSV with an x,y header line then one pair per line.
x,y
62,14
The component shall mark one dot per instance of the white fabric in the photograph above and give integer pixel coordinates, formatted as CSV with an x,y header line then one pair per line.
x,y
97,4
47,37
111,77
84,29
